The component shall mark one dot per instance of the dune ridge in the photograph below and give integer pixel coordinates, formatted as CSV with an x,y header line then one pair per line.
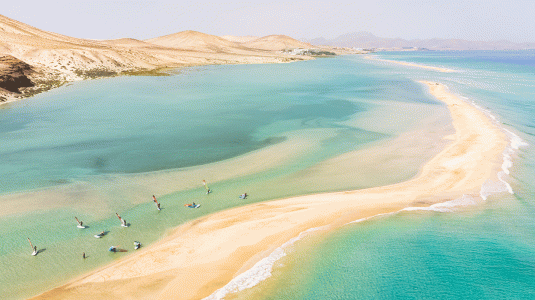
x,y
277,43
203,255
239,39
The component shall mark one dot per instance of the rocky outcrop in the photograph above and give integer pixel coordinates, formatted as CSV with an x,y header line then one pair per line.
x,y
14,74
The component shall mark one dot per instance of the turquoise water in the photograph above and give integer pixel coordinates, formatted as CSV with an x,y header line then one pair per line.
x,y
482,251
98,147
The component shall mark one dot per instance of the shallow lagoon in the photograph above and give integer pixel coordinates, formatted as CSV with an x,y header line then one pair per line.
x,y
99,147
473,250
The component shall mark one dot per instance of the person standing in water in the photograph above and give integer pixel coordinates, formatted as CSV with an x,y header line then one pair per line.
x,y
208,190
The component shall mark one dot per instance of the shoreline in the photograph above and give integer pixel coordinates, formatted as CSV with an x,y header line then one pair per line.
x,y
232,241
50,81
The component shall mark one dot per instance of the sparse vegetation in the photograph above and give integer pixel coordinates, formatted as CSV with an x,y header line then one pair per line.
x,y
95,73
147,72
322,53
310,52
42,85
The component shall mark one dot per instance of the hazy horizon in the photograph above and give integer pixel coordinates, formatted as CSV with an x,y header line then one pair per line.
x,y
473,20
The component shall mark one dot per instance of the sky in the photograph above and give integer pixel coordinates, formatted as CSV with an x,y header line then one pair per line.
x,y
477,20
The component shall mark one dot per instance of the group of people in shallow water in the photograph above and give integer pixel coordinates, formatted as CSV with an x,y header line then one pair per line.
x,y
137,244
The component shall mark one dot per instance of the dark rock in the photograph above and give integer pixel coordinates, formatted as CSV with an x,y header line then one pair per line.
x,y
14,74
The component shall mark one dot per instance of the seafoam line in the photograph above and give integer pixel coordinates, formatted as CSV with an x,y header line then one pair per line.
x,y
260,271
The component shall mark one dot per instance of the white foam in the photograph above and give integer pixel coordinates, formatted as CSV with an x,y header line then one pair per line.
x,y
367,218
492,187
260,271
477,106
507,160
507,185
448,206
516,141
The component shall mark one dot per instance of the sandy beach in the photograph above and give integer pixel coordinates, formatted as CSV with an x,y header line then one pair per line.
x,y
203,255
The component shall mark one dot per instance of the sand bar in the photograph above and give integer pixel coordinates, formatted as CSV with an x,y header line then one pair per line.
x,y
409,64
203,255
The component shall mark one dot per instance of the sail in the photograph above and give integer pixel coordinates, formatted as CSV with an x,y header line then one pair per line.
x,y
156,202
31,245
208,190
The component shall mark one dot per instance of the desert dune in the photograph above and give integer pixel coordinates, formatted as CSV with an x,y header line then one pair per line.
x,y
56,59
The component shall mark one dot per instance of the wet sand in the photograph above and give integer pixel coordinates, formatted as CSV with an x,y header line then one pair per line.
x,y
203,255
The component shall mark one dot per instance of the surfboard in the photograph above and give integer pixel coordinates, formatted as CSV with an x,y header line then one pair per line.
x,y
192,206
98,236
35,251
80,224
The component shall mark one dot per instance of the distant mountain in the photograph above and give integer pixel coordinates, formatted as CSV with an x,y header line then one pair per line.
x,y
366,40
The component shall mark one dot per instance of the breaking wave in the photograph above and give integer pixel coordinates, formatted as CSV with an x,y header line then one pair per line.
x,y
493,187
260,271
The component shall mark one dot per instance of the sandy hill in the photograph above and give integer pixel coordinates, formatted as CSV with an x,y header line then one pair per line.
x,y
127,42
12,30
276,43
239,39
198,41
55,59
63,57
